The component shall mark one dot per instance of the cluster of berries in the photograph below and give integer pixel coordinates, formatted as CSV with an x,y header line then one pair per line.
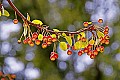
x,y
47,40
7,76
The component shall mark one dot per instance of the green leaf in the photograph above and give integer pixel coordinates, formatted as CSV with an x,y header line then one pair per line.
x,y
63,46
56,30
53,36
77,45
40,37
6,13
100,34
37,22
69,40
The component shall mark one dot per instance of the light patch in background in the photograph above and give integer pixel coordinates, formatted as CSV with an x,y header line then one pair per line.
x,y
29,56
52,1
117,57
105,9
54,17
82,63
71,28
69,76
7,27
13,64
5,3
107,50
62,65
32,73
63,56
108,71
6,47
115,45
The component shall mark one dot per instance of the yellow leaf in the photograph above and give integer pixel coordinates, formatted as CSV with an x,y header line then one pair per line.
x,y
6,13
0,13
37,22
84,44
40,37
78,37
89,22
28,17
56,30
69,40
77,45
53,36
63,34
82,34
63,46
100,34
91,42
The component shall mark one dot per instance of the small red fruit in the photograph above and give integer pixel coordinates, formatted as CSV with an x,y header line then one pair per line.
x,y
49,38
105,32
90,52
35,35
80,53
45,38
68,46
98,48
100,20
25,41
1,73
31,44
85,24
56,55
106,28
44,45
107,41
54,39
49,42
28,39
83,39
13,76
52,58
89,46
73,48
33,38
37,42
107,37
19,41
3,78
101,48
69,52
95,52
92,56
15,21
86,50
102,41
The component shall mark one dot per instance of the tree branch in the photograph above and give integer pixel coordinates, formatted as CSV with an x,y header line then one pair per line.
x,y
40,27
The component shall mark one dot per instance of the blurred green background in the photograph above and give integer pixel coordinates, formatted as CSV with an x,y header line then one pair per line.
x,y
33,63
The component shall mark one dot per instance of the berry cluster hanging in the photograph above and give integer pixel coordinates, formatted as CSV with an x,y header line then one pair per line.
x,y
78,40
7,76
